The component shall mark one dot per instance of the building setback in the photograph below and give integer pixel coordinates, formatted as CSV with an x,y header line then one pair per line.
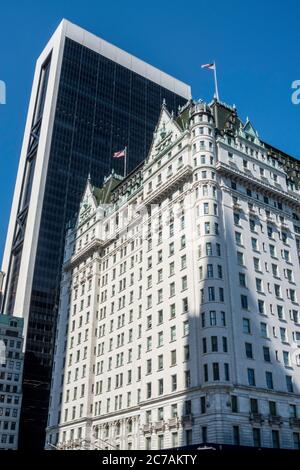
x,y
89,99
179,311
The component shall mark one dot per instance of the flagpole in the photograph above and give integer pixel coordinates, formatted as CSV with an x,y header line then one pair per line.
x,y
125,161
216,81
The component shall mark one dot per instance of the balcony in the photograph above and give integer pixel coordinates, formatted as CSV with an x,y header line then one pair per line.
x,y
147,428
236,206
295,422
283,225
256,418
173,423
252,211
270,219
275,420
159,426
187,420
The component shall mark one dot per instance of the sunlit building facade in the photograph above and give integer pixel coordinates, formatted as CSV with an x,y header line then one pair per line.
x,y
179,311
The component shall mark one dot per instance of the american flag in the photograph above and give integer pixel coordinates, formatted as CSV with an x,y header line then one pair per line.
x,y
208,66
119,154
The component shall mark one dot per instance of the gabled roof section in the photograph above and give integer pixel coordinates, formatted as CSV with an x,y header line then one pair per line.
x,y
226,118
166,131
93,197
103,194
249,132
249,129
88,202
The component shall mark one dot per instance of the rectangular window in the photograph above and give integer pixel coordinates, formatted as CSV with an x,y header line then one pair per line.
x,y
275,439
216,372
256,437
173,357
251,377
236,435
266,352
289,383
210,271
253,405
160,386
173,333
244,301
296,440
240,258
269,380
214,343
242,279
213,318
211,294
189,437
203,405
226,371
238,238
249,350
205,372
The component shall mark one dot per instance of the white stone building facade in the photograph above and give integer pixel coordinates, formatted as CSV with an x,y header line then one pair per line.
x,y
179,316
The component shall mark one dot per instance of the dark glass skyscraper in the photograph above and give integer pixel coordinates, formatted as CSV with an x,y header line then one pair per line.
x,y
89,99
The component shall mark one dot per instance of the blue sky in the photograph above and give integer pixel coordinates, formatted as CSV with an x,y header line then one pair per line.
x,y
256,48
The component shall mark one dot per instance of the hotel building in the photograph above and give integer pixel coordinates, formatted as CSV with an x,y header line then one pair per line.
x,y
179,315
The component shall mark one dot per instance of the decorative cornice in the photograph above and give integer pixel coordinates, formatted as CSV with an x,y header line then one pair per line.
x,y
226,169
84,253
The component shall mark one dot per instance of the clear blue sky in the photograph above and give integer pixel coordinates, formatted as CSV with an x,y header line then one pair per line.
x,y
256,46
